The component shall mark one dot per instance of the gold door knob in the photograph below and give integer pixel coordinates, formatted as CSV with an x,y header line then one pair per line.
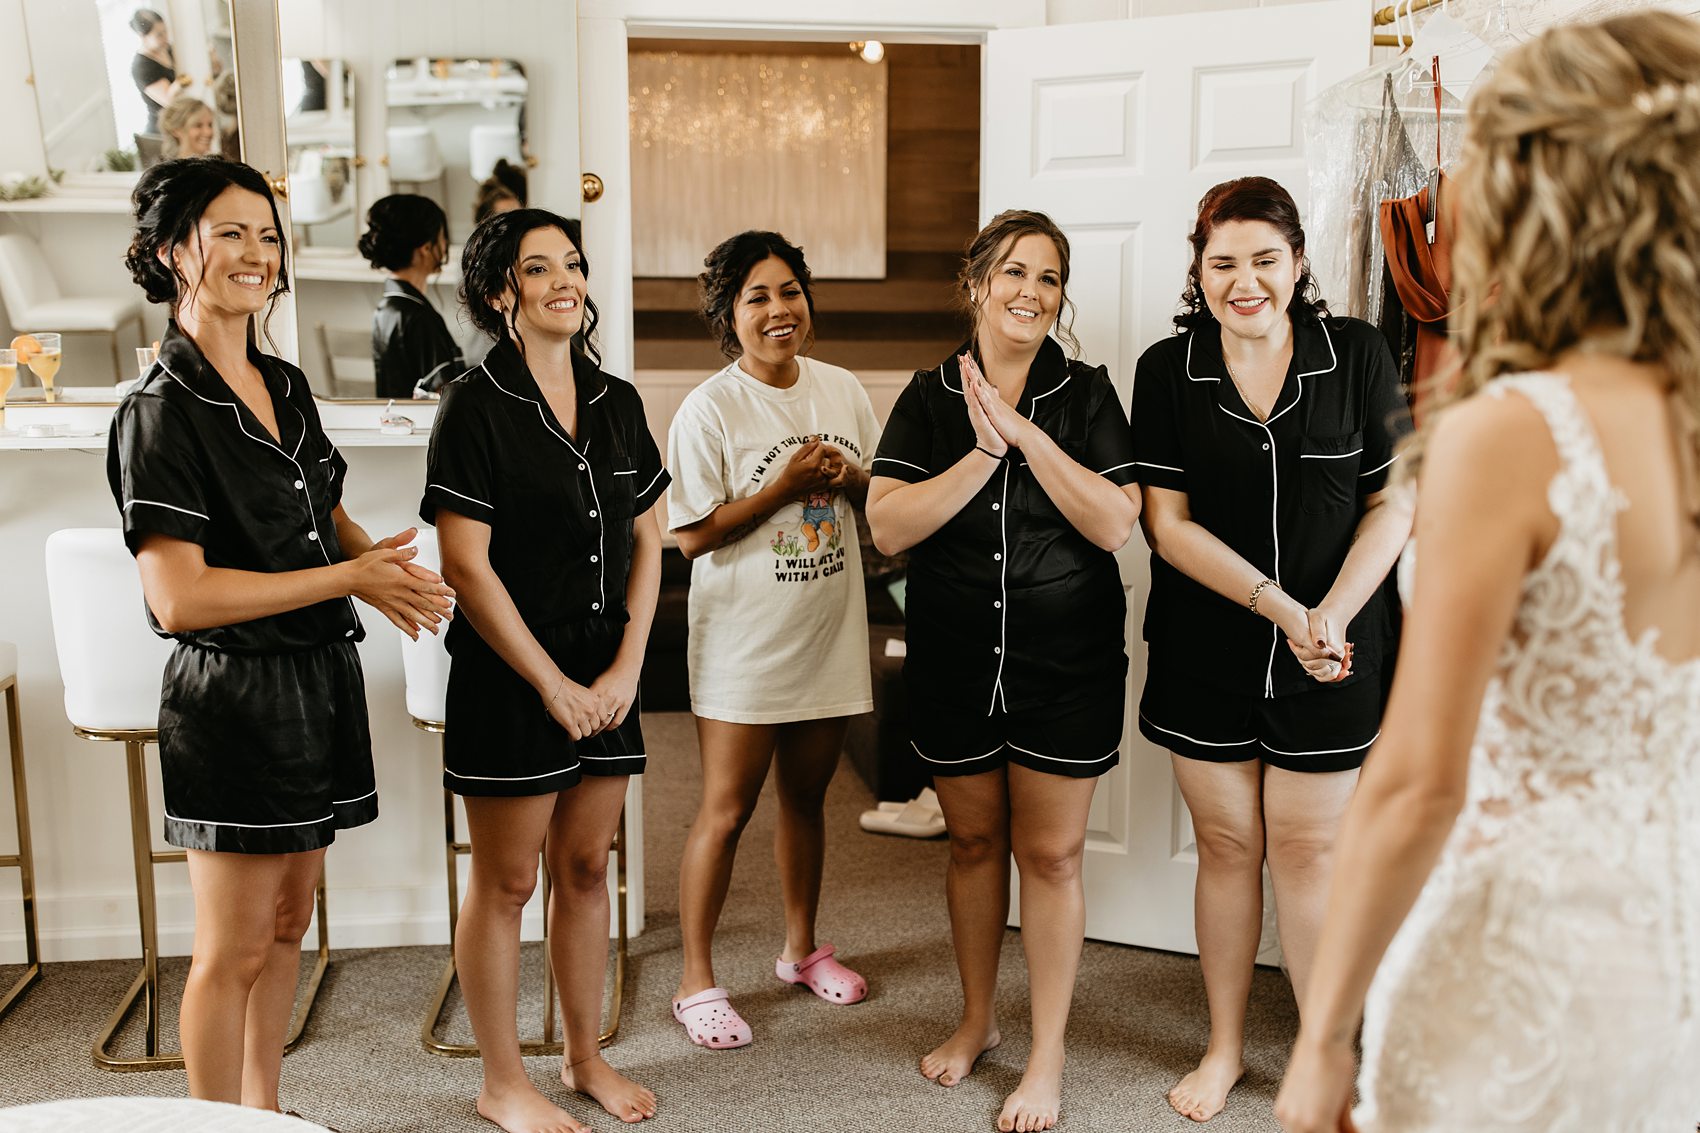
x,y
592,187
279,187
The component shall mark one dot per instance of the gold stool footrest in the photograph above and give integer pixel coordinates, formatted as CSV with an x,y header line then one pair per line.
x,y
144,990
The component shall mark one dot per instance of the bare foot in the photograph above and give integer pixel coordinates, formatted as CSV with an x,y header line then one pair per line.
x,y
1202,1094
612,1090
1036,1102
954,1059
524,1110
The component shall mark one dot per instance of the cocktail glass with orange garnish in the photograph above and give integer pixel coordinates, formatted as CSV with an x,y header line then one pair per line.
x,y
44,360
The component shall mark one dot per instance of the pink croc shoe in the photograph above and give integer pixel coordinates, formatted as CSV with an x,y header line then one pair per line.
x,y
825,976
710,1020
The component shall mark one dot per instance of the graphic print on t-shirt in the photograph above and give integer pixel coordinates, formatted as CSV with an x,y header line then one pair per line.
x,y
807,540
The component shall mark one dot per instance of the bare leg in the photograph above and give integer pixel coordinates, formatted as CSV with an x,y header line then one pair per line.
x,y
272,1000
1047,823
1226,805
507,835
807,757
236,900
580,834
976,812
1302,815
735,759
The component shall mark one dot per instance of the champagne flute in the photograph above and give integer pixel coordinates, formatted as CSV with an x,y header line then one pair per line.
x,y
44,363
8,376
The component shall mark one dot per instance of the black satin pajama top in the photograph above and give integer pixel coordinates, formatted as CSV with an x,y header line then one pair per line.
x,y
185,458
560,507
1009,607
411,345
1285,494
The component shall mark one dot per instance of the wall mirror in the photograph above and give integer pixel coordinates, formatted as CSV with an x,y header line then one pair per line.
x,y
120,84
449,121
319,116
456,129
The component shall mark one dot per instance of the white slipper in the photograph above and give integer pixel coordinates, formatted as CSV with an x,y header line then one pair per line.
x,y
918,818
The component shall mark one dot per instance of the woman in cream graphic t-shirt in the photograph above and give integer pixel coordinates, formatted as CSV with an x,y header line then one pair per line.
x,y
768,458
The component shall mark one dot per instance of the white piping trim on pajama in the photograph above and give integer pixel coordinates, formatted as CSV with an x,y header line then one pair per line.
x,y
1322,751
462,495
1191,740
970,759
172,507
1060,759
510,778
250,825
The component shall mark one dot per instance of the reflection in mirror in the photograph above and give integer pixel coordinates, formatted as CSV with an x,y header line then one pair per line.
x,y
104,71
118,87
450,122
318,106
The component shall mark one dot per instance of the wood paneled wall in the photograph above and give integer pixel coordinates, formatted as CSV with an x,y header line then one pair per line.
x,y
908,319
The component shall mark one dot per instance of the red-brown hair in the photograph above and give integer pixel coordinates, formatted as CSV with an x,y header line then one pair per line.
x,y
1247,198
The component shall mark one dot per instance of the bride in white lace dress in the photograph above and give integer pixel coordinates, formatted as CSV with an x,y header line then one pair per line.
x,y
1541,749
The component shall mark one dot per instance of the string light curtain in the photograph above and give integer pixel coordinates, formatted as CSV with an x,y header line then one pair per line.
x,y
793,143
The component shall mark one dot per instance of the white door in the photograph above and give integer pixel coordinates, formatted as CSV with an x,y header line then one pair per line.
x,y
1116,130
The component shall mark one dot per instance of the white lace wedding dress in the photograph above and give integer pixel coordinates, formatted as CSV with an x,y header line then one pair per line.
x,y
1548,978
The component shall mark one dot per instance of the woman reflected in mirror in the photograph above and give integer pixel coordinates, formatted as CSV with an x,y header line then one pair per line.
x,y
503,191
189,128
154,68
542,479
413,352
231,499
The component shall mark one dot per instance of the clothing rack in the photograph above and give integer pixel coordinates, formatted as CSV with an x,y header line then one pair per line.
x,y
1390,15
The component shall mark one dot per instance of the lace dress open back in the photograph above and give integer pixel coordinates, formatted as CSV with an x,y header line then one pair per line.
x,y
1548,978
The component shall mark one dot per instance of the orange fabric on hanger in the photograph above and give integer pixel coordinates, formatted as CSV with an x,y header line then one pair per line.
x,y
1422,275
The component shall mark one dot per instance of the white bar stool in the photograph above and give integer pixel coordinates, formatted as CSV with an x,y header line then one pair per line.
x,y
33,300
425,666
112,665
24,860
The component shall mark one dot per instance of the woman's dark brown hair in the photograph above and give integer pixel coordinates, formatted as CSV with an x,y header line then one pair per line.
x,y
1247,198
992,246
729,265
487,272
169,201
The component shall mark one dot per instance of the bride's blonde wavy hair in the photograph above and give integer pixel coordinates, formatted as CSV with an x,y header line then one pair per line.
x,y
1578,207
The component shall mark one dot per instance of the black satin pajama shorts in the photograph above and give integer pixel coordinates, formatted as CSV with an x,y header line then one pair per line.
x,y
264,753
498,740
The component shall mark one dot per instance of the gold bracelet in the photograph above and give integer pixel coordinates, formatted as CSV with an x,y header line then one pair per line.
x,y
549,706
1257,590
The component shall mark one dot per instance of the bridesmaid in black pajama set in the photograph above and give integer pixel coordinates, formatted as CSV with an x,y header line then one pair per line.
x,y
541,478
230,494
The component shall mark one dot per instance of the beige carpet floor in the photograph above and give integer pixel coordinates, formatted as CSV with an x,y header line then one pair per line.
x,y
1137,1025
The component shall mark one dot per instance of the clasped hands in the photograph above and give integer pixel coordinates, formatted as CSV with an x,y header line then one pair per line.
x,y
584,712
997,426
411,597
817,467
1320,646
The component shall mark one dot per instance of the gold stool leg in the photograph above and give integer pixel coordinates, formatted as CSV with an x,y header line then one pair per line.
x,y
24,859
145,987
